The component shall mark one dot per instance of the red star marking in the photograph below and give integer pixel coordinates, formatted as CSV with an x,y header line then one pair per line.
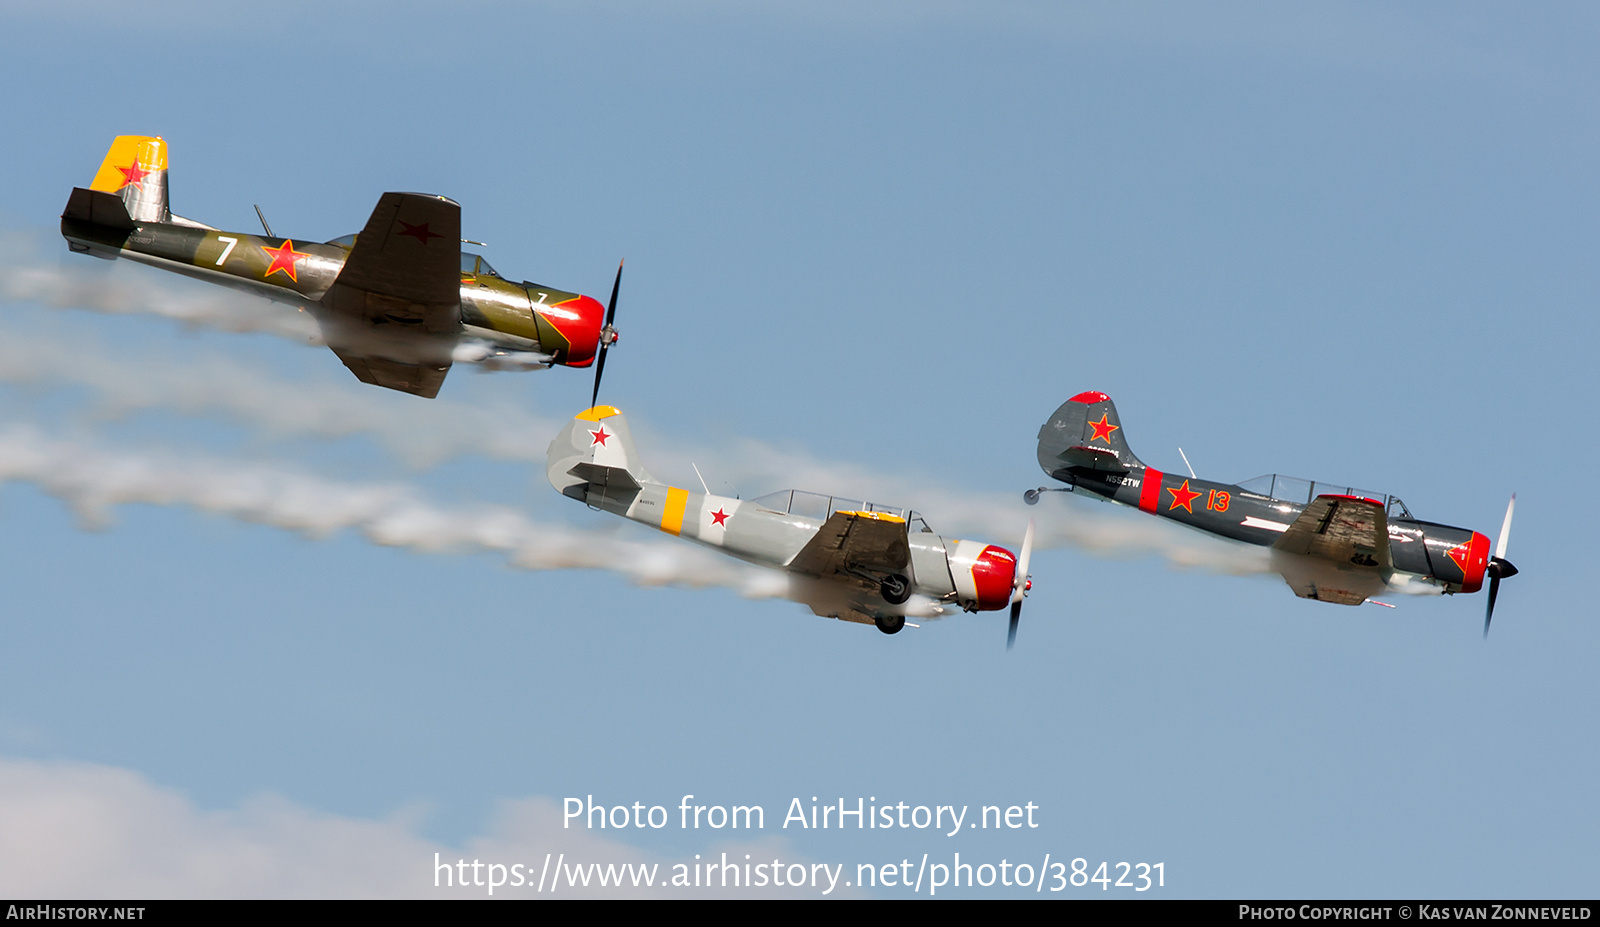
x,y
284,258
599,437
1183,496
134,174
419,232
1461,556
718,517
1103,428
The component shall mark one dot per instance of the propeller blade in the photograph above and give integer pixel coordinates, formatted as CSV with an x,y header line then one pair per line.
x,y
599,368
1499,566
611,307
1488,616
607,336
1019,584
1505,529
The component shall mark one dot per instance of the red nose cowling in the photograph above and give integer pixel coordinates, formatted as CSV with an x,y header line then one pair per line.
x,y
993,574
1476,561
579,321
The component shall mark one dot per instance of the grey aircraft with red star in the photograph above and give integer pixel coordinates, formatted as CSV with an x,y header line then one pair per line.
x,y
1331,543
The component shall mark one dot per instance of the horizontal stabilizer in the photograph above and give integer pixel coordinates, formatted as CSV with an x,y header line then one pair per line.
x,y
1093,458
97,207
610,477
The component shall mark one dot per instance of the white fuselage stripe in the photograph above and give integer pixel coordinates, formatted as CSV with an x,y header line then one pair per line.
x,y
1253,522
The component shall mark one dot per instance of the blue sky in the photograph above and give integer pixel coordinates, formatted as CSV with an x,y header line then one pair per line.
x,y
869,249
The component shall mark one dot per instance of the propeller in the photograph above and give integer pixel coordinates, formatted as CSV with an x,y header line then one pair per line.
x,y
1019,585
608,337
1499,567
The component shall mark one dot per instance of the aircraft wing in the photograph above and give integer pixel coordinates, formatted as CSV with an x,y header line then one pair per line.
x,y
397,300
419,379
1350,533
870,542
841,612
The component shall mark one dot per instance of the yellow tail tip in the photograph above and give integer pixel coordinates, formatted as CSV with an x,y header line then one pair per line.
x,y
597,413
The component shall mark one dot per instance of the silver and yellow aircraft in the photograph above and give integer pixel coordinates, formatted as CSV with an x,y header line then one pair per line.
x,y
850,560
398,302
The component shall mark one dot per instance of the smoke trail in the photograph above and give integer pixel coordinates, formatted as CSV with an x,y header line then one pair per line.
x,y
421,433
428,433
115,293
93,479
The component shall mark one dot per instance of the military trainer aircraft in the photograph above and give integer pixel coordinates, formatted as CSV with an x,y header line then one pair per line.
x,y
1331,543
398,302
851,560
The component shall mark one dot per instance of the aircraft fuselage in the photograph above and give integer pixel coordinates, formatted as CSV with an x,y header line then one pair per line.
x,y
526,316
1454,557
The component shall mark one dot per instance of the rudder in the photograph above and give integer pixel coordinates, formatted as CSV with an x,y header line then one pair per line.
x,y
1085,433
593,459
135,168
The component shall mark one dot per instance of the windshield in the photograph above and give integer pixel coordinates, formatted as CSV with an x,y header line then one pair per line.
x,y
818,506
475,264
1301,492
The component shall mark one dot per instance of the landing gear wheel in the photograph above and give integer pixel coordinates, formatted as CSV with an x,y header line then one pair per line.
x,y
896,589
890,624
1031,497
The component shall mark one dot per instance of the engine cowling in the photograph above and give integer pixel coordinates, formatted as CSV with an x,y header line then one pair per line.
x,y
984,575
579,321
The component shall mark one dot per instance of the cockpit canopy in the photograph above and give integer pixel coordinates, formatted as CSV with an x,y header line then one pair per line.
x,y
470,263
818,506
1301,492
475,264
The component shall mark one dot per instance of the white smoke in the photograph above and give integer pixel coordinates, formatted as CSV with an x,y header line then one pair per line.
x,y
93,479
428,433
111,291
209,384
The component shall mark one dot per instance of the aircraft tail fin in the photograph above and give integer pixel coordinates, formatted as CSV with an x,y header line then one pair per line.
x,y
593,459
135,168
1085,433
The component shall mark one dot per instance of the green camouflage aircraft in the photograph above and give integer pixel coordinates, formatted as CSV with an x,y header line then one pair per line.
x,y
399,302
847,559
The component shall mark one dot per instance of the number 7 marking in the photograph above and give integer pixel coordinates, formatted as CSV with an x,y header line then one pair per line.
x,y
228,250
